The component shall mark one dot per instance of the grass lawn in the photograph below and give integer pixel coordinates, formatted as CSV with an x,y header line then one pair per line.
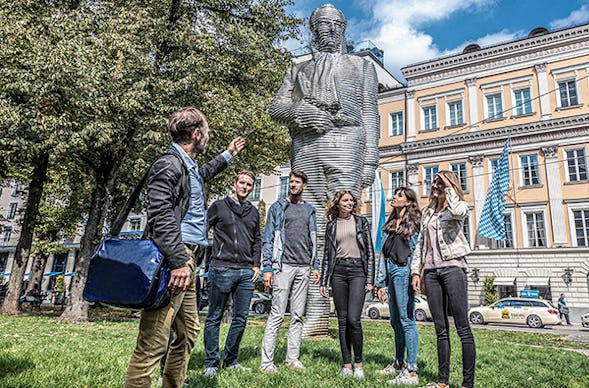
x,y
35,351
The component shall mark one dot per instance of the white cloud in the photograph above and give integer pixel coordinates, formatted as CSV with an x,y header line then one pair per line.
x,y
578,16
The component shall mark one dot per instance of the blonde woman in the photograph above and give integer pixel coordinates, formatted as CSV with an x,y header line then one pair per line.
x,y
439,261
348,265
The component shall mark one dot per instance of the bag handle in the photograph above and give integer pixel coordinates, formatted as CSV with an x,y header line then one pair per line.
x,y
121,218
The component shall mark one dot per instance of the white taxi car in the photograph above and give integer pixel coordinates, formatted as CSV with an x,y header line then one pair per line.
x,y
533,312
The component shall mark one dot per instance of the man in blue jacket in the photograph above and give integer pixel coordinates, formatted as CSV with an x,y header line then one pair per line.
x,y
290,253
234,268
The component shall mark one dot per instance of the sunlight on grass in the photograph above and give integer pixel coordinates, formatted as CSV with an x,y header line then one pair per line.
x,y
38,352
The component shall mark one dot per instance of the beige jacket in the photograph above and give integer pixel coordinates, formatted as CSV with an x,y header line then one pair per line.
x,y
453,243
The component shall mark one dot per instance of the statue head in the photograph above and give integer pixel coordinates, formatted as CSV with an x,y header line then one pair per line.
x,y
328,25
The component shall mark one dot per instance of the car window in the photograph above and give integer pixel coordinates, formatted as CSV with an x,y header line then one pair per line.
x,y
537,303
522,303
503,303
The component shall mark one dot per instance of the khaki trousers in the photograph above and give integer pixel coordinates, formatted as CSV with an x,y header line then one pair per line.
x,y
154,333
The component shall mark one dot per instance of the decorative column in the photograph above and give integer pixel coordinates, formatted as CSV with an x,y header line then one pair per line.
x,y
473,110
480,192
555,196
410,115
543,90
412,177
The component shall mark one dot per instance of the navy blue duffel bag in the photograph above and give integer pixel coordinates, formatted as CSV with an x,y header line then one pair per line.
x,y
128,273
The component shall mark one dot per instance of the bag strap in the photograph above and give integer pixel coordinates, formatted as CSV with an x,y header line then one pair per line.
x,y
121,218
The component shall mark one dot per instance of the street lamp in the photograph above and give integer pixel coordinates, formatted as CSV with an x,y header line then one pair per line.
x,y
475,275
567,277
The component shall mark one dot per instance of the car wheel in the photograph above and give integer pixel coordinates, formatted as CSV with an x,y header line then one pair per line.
x,y
477,318
420,315
534,321
373,313
259,308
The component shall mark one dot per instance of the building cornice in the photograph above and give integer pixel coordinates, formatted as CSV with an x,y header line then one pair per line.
x,y
538,133
499,56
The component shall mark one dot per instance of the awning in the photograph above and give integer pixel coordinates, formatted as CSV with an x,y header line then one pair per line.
x,y
504,281
538,282
50,274
69,274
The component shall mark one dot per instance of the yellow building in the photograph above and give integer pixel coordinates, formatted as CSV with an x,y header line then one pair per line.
x,y
456,113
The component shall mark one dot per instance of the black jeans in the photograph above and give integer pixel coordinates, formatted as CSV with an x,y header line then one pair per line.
x,y
347,284
446,287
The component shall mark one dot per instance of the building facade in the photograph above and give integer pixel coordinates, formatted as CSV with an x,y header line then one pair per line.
x,y
457,112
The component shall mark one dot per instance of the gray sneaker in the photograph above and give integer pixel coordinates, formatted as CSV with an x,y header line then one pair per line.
x,y
347,372
270,369
405,378
391,369
211,372
238,367
359,373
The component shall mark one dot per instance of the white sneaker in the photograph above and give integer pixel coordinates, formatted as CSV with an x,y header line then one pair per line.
x,y
210,372
347,372
405,378
296,364
391,369
270,369
359,373
239,367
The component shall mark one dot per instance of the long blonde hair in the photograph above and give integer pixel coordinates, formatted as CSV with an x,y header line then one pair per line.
x,y
453,179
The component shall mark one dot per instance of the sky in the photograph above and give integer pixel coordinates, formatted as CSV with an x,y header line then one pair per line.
x,y
411,31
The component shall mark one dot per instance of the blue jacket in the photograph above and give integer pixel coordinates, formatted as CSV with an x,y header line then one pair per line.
x,y
274,236
382,273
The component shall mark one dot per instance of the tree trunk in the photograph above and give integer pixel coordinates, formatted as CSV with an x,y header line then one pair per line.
x,y
77,308
39,262
25,241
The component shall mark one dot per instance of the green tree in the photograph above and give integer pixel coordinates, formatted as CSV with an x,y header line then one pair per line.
x,y
490,291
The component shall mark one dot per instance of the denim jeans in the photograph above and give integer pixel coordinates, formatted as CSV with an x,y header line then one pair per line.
x,y
224,282
402,310
347,285
447,287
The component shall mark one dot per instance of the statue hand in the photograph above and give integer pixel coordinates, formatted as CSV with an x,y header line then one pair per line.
x,y
309,116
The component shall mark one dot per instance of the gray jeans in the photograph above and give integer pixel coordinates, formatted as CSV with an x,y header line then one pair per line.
x,y
293,281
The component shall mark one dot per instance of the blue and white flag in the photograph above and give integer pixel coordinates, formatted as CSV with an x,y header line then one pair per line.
x,y
492,224
379,206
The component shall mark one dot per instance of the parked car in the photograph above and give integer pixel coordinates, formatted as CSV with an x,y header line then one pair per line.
x,y
585,320
261,303
533,312
376,310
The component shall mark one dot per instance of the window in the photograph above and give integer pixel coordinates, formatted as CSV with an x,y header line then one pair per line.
x,y
135,224
577,165
536,229
396,124
466,229
3,262
17,189
508,243
255,195
494,106
568,93
530,170
455,111
581,220
11,211
430,118
284,181
523,103
460,170
6,232
396,180
59,262
429,173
